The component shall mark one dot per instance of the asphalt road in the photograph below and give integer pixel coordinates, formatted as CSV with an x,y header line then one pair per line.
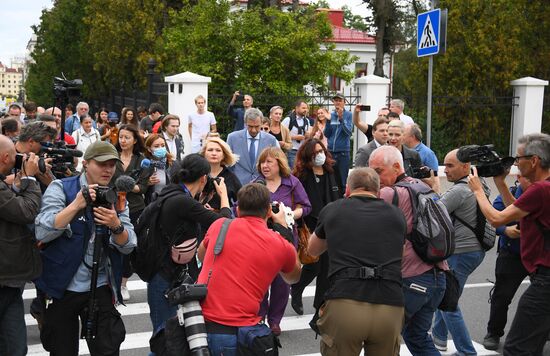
x,y
297,338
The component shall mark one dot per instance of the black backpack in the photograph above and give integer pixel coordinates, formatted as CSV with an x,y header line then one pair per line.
x,y
484,231
433,234
294,122
150,251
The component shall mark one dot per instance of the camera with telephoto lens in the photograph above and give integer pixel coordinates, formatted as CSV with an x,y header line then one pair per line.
x,y
187,297
210,187
19,158
62,156
421,172
486,160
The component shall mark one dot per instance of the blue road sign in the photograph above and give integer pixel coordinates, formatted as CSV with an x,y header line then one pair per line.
x,y
428,25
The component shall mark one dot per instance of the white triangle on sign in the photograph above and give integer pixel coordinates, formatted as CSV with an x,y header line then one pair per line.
x,y
428,35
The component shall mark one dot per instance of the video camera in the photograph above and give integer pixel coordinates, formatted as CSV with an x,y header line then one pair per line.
x,y
485,158
62,158
64,88
421,172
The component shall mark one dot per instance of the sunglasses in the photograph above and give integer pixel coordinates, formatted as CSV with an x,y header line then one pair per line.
x,y
265,128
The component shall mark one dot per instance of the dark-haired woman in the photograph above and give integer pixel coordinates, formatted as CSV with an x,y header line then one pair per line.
x,y
129,116
130,147
103,123
315,169
181,216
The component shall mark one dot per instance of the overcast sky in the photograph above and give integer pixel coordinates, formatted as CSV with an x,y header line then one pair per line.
x,y
19,15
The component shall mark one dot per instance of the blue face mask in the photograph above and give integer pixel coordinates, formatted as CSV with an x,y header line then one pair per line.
x,y
160,152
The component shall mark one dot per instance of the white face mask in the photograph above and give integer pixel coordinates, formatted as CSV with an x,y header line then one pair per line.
x,y
319,159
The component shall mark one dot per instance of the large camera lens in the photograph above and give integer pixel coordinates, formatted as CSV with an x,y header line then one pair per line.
x,y
105,197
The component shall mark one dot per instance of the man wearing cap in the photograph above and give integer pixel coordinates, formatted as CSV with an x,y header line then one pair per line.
x,y
338,133
66,226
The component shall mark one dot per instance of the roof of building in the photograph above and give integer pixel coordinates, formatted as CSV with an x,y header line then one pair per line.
x,y
348,35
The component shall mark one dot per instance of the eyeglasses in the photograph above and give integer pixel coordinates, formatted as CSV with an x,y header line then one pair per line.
x,y
265,128
517,158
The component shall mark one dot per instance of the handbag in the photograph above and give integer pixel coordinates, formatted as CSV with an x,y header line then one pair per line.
x,y
449,303
303,239
257,340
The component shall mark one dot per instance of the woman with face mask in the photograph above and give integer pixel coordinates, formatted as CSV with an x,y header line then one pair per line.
x,y
130,147
159,168
318,174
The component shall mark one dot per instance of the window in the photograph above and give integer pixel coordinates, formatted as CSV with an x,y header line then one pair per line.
x,y
334,83
361,69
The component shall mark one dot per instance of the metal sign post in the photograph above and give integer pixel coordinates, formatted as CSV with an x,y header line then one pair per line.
x,y
431,30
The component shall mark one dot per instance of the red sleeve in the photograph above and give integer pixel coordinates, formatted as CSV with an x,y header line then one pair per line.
x,y
289,256
69,139
156,127
533,198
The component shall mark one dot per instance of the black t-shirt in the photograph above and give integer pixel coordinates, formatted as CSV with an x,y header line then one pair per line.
x,y
278,136
363,231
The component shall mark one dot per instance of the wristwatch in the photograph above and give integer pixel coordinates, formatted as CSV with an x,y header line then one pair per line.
x,y
117,230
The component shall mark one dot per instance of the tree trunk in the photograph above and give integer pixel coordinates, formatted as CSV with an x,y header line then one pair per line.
x,y
381,16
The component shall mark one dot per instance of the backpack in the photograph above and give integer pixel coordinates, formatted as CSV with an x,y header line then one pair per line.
x,y
484,231
433,234
294,122
150,251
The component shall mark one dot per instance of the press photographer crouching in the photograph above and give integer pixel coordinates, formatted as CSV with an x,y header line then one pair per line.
x,y
84,240
240,275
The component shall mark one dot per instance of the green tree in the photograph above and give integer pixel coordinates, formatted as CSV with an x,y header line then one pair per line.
x,y
60,49
489,43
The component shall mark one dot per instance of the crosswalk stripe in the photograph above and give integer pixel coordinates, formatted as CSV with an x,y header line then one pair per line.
x,y
291,323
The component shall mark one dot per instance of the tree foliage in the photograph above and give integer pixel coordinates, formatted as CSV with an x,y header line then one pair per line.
x,y
262,50
489,44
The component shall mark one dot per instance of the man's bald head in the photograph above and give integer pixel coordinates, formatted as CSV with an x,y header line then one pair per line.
x,y
454,169
5,144
7,155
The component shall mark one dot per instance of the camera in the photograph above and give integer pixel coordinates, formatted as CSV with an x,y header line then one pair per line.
x,y
19,163
421,172
105,197
485,158
62,158
275,207
210,187
64,88
187,297
364,107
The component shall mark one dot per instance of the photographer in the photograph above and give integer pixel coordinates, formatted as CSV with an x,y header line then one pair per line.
x,y
531,324
19,258
180,218
240,276
30,141
70,214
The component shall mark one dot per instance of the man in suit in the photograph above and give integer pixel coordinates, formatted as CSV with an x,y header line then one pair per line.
x,y
248,143
380,134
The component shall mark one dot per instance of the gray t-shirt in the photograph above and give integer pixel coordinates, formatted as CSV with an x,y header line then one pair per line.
x,y
460,201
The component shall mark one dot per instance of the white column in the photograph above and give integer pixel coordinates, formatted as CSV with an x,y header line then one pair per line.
x,y
527,116
183,88
372,90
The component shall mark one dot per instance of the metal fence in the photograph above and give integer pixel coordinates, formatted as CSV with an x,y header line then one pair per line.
x,y
458,121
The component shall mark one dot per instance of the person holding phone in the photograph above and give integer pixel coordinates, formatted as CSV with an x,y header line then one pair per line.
x,y
338,134
238,113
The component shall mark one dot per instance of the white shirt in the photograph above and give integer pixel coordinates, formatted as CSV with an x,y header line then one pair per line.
x,y
200,127
407,120
301,121
83,140
171,143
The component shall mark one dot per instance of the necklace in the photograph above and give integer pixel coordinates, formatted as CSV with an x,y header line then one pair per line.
x,y
317,179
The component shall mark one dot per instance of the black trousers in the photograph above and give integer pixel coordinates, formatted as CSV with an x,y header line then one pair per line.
x,y
509,273
531,323
60,332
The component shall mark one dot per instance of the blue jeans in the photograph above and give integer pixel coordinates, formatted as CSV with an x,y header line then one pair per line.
x,y
419,311
463,264
222,344
13,332
159,309
291,156
342,162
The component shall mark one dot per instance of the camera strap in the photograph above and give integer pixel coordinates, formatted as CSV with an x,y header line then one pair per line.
x,y
218,247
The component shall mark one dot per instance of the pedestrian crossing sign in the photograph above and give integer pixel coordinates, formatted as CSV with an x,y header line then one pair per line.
x,y
428,30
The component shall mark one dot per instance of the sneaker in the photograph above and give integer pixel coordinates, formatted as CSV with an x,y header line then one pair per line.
x,y
125,293
491,342
439,344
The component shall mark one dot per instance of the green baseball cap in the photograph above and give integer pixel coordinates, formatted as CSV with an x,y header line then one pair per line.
x,y
101,151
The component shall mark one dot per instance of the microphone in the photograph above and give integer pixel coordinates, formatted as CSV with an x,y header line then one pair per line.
x,y
145,164
123,185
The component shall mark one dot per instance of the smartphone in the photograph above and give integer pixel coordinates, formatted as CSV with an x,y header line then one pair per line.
x,y
364,107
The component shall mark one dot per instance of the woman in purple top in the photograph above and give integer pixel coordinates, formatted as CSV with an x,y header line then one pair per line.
x,y
287,189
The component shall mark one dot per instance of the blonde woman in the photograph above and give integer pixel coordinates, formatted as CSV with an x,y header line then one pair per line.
x,y
220,157
280,132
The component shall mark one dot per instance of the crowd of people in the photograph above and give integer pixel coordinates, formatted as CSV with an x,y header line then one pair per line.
x,y
273,177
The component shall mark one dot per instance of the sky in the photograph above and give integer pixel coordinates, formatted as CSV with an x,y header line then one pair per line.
x,y
19,15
